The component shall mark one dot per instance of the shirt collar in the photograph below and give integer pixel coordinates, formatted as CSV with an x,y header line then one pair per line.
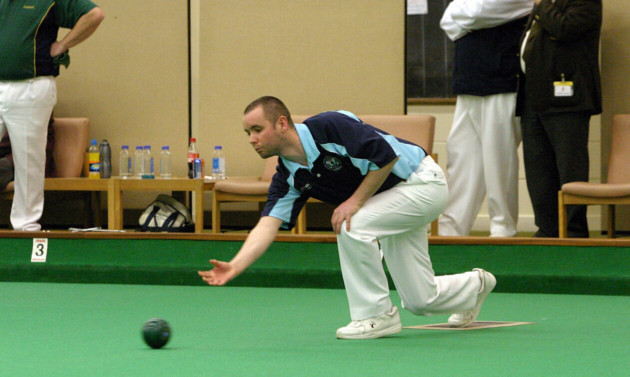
x,y
310,148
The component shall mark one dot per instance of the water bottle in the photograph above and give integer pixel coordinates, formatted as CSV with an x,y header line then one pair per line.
x,y
138,162
105,157
148,163
124,162
166,168
218,163
93,161
192,154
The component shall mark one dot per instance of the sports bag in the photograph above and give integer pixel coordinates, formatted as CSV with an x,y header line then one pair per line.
x,y
166,214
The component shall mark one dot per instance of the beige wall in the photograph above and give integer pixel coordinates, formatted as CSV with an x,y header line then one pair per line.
x,y
315,55
131,79
616,80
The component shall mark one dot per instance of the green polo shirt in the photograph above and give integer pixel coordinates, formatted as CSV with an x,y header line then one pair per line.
x,y
27,30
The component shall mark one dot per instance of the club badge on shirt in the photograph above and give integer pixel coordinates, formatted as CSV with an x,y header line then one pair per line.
x,y
332,163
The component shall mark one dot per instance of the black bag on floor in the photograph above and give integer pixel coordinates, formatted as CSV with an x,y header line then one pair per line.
x,y
166,214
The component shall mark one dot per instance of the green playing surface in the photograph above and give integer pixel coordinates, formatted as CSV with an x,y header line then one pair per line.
x,y
51,329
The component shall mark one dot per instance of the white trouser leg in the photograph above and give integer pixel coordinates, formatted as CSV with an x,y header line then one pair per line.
x,y
25,108
482,159
421,292
500,137
397,218
464,169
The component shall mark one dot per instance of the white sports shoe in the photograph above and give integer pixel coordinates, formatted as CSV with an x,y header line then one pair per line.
x,y
488,282
383,325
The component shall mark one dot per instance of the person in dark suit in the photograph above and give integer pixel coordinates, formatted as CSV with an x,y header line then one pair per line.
x,y
559,90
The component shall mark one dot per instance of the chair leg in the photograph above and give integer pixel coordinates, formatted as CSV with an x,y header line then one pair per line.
x,y
300,224
216,214
88,209
92,210
434,227
611,221
562,216
98,218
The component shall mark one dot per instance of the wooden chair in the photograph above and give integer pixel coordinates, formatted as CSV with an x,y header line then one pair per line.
x,y
243,189
615,191
71,136
419,129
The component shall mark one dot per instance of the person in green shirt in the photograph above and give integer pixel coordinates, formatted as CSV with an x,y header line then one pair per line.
x,y
31,55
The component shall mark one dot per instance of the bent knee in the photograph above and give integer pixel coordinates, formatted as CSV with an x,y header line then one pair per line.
x,y
418,308
423,305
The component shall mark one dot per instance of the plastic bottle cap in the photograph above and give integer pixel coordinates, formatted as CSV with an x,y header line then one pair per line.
x,y
147,147
165,147
125,147
218,147
139,147
94,142
193,140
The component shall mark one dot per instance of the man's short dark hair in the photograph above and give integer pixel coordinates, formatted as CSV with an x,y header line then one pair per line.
x,y
273,108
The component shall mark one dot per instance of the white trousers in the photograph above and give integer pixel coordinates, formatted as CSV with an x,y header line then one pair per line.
x,y
25,108
397,220
482,159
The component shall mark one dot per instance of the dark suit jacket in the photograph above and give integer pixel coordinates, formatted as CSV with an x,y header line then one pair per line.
x,y
564,40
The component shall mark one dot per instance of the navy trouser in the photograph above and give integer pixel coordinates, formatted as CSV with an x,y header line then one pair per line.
x,y
555,151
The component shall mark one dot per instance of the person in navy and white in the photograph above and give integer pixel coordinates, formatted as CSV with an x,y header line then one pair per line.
x,y
387,190
484,138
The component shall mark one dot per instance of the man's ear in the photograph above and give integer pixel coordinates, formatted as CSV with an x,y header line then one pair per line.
x,y
283,123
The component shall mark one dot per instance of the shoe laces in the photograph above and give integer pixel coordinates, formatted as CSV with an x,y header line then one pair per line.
x,y
356,323
462,316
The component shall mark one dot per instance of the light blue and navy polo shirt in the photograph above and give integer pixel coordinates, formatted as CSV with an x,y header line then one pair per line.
x,y
27,30
340,150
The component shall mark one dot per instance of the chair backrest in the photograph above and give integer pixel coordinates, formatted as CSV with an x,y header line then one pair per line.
x,y
416,128
71,137
619,161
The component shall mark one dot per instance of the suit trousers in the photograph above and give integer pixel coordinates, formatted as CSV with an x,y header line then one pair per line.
x,y
483,160
555,152
394,223
25,108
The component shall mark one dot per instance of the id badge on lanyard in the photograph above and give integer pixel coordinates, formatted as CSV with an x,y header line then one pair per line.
x,y
563,88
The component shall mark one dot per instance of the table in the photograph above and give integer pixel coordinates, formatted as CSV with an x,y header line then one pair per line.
x,y
197,186
85,184
115,186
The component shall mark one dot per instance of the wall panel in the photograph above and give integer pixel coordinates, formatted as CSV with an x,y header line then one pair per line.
x,y
131,78
315,55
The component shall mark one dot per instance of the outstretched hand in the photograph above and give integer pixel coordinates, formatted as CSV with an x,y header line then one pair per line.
x,y
220,274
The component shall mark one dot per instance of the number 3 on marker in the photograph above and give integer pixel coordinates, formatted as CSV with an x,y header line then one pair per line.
x,y
40,250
